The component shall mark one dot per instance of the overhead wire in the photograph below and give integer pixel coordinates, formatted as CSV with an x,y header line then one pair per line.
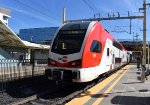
x,y
93,5
138,22
36,10
43,7
16,13
110,26
115,29
89,5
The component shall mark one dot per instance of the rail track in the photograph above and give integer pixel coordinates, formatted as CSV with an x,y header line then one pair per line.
x,y
61,94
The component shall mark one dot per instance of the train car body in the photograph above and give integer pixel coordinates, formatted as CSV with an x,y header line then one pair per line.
x,y
81,51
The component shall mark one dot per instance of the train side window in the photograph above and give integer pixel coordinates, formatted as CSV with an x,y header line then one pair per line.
x,y
117,45
107,51
96,46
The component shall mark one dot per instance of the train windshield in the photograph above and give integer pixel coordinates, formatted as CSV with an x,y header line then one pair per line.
x,y
68,41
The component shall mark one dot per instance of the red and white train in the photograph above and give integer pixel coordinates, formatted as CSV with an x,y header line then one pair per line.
x,y
81,51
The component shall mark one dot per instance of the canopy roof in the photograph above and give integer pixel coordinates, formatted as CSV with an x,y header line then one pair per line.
x,y
9,38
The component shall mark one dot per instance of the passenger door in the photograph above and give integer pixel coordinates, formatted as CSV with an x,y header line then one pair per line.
x,y
109,55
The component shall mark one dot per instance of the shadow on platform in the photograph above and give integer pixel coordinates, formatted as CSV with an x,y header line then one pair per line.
x,y
130,100
87,93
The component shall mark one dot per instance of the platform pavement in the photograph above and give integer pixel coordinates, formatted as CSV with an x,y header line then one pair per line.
x,y
129,90
125,89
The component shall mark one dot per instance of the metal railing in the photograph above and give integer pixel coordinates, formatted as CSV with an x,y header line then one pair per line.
x,y
11,70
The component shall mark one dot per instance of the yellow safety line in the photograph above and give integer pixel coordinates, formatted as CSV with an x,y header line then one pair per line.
x,y
84,97
99,100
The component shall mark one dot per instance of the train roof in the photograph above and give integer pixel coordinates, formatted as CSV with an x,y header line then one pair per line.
x,y
76,25
84,25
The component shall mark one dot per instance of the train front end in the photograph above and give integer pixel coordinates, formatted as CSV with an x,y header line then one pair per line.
x,y
66,53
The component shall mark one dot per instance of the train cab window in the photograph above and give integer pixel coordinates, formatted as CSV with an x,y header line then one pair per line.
x,y
107,51
96,46
68,41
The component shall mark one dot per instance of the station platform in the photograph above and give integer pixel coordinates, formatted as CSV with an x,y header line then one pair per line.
x,y
121,88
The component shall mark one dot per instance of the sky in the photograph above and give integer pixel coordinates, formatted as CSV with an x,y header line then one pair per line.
x,y
48,13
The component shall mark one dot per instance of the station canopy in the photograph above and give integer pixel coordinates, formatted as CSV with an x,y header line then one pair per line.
x,y
9,38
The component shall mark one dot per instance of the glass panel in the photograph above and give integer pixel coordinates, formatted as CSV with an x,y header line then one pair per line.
x,y
107,51
96,46
68,41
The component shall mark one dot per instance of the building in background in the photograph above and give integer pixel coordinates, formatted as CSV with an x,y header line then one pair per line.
x,y
4,15
38,35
